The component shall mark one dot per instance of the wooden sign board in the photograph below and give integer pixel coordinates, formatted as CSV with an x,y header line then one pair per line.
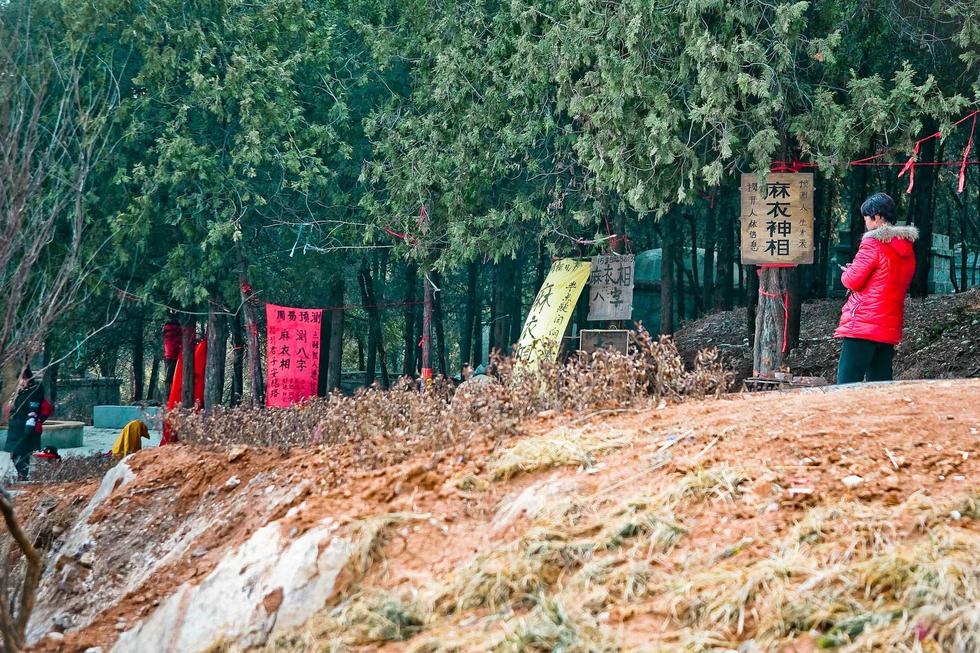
x,y
595,339
611,287
777,218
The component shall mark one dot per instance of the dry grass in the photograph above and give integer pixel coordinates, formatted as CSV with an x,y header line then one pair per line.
x,y
551,626
370,536
405,421
559,447
841,573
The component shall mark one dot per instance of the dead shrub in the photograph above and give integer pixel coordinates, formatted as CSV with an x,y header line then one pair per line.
x,y
379,428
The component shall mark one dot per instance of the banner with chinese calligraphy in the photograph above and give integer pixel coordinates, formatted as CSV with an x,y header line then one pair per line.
x,y
293,354
549,315
611,287
777,218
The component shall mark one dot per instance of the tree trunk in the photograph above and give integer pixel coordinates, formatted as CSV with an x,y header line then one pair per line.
x,y
477,359
695,273
214,370
371,364
50,376
250,306
517,289
375,328
823,199
667,284
795,300
725,286
188,336
923,216
707,279
335,365
426,338
408,360
466,354
502,287
437,322
169,371
151,389
859,193
139,373
322,385
679,282
770,322
964,231
238,361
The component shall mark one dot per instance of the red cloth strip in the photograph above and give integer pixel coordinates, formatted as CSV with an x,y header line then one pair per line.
x,y
966,152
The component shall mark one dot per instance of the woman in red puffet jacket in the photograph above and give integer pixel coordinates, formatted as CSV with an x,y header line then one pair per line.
x,y
877,280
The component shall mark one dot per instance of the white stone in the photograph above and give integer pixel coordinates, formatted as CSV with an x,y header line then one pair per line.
x,y
228,605
852,481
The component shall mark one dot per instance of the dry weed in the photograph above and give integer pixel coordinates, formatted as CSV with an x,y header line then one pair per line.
x,y
376,428
559,447
551,626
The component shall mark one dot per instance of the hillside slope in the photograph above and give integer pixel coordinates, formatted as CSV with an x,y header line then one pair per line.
x,y
842,518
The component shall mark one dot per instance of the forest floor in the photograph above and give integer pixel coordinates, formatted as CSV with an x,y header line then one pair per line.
x,y
941,339
843,518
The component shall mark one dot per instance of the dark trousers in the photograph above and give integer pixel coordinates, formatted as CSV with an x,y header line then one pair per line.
x,y
864,360
22,461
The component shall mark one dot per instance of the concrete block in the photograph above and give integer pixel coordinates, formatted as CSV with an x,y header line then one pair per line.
x,y
116,417
63,435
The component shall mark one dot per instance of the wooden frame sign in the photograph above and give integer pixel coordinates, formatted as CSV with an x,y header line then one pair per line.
x,y
777,218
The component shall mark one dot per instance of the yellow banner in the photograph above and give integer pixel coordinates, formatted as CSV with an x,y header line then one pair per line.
x,y
549,315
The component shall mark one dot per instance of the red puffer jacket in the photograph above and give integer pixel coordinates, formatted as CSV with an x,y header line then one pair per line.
x,y
878,279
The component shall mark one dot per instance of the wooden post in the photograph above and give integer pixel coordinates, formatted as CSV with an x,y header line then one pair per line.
x,y
771,321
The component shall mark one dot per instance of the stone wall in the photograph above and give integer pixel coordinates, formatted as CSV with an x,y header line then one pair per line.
x,y
78,397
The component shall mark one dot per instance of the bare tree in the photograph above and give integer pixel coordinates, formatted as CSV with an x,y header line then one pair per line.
x,y
50,137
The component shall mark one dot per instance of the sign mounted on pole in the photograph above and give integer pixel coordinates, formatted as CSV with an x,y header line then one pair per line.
x,y
611,287
777,219
293,353
550,313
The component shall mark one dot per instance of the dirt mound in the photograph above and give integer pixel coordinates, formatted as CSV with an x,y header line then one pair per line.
x,y
941,341
754,520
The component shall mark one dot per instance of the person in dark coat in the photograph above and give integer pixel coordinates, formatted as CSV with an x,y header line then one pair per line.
x,y
872,318
23,437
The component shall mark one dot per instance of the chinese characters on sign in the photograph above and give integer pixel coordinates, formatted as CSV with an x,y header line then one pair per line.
x,y
550,313
293,353
611,288
777,218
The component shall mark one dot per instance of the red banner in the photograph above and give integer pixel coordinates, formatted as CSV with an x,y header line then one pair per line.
x,y
293,353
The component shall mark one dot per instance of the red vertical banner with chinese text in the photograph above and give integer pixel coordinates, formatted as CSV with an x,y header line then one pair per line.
x,y
293,354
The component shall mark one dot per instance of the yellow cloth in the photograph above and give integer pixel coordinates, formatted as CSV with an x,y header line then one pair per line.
x,y
550,313
130,440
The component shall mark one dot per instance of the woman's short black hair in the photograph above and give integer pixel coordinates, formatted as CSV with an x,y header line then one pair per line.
x,y
879,204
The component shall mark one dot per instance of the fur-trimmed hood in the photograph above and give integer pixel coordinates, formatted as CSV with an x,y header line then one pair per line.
x,y
897,239
888,232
